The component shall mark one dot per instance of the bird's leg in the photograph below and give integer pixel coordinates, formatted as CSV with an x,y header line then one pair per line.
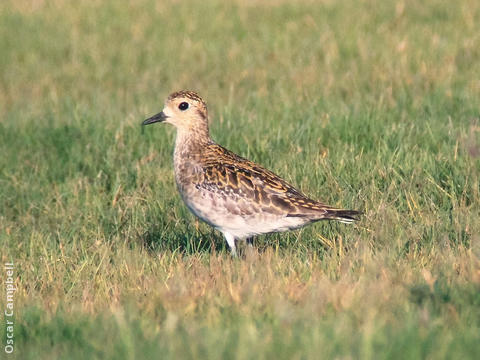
x,y
231,243
250,241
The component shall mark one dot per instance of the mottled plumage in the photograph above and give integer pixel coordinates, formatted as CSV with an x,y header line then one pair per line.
x,y
234,195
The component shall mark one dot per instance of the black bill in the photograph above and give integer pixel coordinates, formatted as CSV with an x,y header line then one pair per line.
x,y
155,118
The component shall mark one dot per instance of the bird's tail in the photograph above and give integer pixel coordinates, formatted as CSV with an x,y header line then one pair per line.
x,y
345,216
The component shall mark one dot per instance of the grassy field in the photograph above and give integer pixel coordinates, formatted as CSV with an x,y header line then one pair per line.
x,y
370,105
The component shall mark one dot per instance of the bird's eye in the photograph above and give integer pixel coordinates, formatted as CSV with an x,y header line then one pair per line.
x,y
183,106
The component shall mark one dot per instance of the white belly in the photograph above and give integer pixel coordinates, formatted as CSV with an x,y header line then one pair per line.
x,y
225,215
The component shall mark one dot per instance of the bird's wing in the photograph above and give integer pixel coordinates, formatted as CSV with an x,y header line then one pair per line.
x,y
229,174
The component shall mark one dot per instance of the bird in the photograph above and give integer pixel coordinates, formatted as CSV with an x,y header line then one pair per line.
x,y
234,195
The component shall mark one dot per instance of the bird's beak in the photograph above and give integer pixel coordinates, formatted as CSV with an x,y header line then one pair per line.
x,y
155,118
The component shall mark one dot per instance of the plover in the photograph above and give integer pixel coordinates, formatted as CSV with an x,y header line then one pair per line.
x,y
234,195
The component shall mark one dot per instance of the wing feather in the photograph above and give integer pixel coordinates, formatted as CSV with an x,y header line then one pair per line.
x,y
231,174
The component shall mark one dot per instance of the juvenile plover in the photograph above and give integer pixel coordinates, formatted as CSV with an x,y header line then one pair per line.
x,y
234,195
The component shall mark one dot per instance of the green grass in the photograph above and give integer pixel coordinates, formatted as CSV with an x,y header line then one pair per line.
x,y
370,105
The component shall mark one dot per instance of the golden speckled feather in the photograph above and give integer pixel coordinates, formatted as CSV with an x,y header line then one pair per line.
x,y
230,173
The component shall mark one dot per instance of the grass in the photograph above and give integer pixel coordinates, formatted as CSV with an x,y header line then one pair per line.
x,y
370,105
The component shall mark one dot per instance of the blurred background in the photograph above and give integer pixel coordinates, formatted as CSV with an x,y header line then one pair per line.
x,y
131,55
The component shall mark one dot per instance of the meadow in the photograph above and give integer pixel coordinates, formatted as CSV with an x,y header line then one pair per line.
x,y
371,105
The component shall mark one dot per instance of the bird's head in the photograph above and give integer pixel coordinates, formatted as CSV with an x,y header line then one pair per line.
x,y
185,110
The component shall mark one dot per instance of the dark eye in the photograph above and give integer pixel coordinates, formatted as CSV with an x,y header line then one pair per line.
x,y
183,106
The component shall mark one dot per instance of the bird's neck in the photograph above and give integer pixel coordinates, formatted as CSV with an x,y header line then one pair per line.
x,y
190,143
188,156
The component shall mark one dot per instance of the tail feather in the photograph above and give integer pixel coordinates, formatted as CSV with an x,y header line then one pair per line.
x,y
345,216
